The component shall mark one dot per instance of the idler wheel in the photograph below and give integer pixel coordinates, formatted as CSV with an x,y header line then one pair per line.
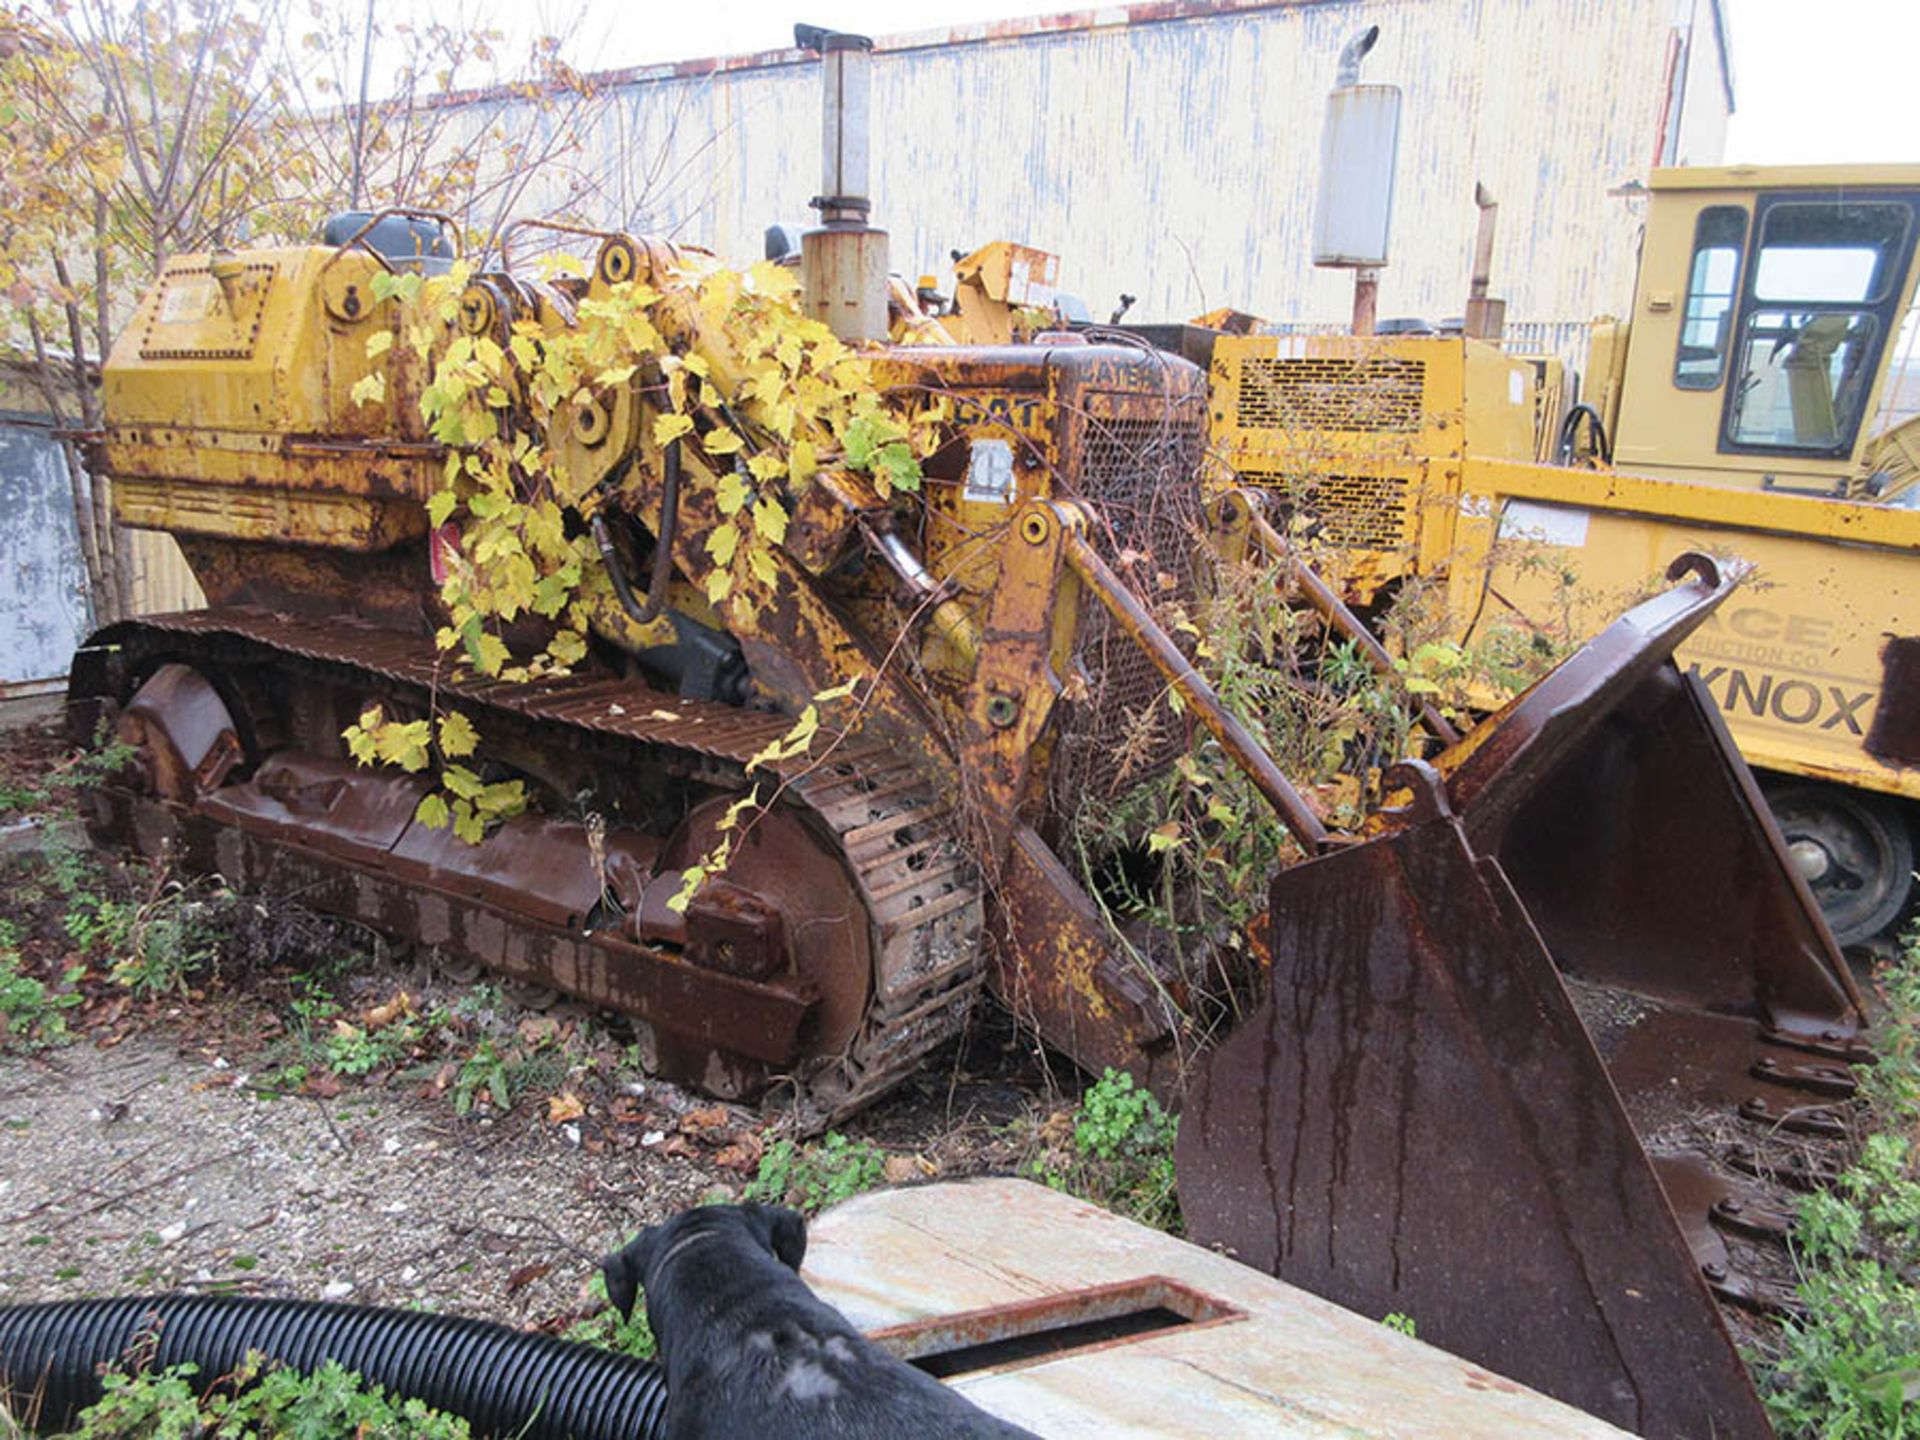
x,y
787,889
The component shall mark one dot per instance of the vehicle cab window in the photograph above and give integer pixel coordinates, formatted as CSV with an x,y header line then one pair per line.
x,y
1719,237
1816,307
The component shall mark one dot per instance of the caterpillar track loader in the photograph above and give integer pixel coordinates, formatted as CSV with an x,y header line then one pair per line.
x,y
1526,1053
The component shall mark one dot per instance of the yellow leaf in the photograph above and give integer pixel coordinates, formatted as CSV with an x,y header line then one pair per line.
x,y
722,544
770,520
379,343
719,586
690,881
764,570
731,494
722,441
667,428
490,653
432,811
802,462
698,365
775,281
457,735
1164,838
564,1107
766,466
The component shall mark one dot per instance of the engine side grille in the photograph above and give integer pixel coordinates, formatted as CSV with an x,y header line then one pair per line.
x,y
1356,512
1142,476
1369,394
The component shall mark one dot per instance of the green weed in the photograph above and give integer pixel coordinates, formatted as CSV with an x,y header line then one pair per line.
x,y
484,1072
812,1177
1850,1366
1122,1153
607,1330
32,1013
269,1405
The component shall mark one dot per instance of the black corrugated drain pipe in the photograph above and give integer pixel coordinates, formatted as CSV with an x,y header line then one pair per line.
x,y
503,1382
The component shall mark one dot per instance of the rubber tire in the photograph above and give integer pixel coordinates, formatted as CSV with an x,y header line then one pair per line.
x,y
1880,826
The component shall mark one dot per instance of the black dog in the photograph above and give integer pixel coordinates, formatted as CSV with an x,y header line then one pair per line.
x,y
751,1353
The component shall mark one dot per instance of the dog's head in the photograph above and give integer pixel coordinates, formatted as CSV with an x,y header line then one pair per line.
x,y
779,1231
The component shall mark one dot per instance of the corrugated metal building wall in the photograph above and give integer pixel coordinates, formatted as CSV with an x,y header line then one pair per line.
x,y
1170,150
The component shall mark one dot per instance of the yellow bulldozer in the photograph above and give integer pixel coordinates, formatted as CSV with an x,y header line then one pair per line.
x,y
1751,405
1527,1051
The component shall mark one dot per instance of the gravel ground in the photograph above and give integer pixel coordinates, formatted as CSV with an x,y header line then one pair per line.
x,y
147,1168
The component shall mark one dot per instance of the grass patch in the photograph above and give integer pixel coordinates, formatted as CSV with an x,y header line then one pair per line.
x,y
256,1403
1851,1366
812,1177
1118,1154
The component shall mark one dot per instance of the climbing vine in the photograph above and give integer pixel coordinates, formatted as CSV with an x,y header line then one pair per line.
x,y
722,360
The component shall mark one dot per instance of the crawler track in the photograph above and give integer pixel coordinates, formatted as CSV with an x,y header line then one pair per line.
x,y
283,681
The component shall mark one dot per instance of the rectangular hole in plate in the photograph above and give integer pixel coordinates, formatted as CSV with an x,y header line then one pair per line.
x,y
1029,1331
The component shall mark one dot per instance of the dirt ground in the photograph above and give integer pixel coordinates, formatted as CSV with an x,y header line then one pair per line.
x,y
193,1140
161,1164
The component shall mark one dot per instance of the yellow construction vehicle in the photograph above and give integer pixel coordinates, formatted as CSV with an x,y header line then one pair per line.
x,y
1752,402
1439,1077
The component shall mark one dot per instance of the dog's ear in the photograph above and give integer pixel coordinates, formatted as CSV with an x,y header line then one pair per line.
x,y
786,1234
625,1271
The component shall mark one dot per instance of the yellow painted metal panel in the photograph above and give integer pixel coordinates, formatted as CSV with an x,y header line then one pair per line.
x,y
1796,661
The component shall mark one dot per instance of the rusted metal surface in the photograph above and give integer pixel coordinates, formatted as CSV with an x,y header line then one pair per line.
x,y
714,1012
1415,1121
1895,735
1574,989
868,897
1166,1303
1055,967
1233,736
184,735
1323,598
920,1268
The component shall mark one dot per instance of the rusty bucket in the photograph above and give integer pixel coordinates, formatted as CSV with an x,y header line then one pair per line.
x,y
1537,1056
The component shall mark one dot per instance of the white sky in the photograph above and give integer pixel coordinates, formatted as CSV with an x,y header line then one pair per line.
x,y
1814,80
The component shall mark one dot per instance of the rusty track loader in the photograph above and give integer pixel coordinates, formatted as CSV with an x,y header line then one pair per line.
x,y
1531,1048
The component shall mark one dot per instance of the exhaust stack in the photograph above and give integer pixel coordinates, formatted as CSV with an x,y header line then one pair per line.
x,y
843,263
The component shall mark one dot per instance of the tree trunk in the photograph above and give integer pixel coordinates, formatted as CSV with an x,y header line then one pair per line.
x,y
115,567
103,591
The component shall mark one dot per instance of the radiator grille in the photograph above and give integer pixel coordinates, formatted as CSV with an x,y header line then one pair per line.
x,y
1372,394
1356,512
1143,478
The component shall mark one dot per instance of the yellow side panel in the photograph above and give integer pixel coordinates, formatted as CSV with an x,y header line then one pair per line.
x,y
1795,661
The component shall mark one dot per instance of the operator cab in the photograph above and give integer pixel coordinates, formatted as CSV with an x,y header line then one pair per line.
x,y
1769,306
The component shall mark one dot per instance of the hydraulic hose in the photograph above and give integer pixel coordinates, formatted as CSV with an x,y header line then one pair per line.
x,y
504,1382
1570,434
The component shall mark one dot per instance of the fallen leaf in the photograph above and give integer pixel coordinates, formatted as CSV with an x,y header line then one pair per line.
x,y
743,1155
383,1015
526,1275
323,1085
538,1029
564,1107
706,1119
